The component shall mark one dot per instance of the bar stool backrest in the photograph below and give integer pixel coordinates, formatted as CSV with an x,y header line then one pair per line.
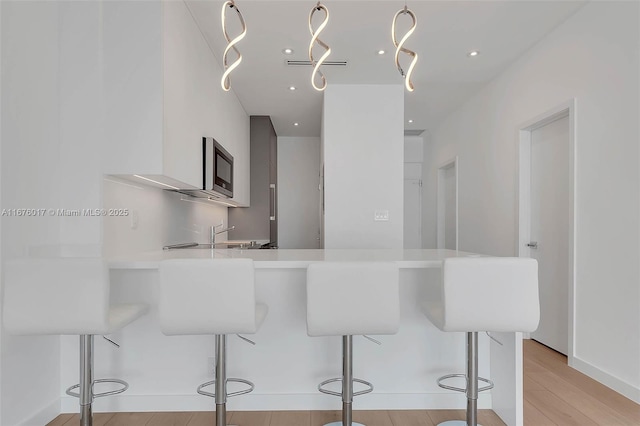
x,y
352,298
56,296
490,294
207,296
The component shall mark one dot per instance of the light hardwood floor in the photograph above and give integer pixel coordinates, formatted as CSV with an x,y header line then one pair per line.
x,y
554,394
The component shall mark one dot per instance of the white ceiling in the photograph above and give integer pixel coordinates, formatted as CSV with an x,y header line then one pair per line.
x,y
444,76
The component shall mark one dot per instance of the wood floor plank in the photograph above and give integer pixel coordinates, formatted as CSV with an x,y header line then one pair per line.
x,y
489,418
176,418
410,418
372,417
557,410
290,418
204,418
534,417
530,384
538,351
320,418
250,418
60,420
99,419
531,366
439,416
589,406
130,419
556,363
485,417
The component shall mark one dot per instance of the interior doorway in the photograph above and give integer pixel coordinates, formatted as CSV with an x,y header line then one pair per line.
x,y
546,220
447,205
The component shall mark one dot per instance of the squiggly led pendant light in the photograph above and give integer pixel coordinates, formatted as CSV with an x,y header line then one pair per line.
x,y
314,39
400,47
224,82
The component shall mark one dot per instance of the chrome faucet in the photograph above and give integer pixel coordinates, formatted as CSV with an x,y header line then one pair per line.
x,y
214,233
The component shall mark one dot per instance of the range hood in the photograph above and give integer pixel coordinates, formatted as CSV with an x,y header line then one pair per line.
x,y
202,193
173,185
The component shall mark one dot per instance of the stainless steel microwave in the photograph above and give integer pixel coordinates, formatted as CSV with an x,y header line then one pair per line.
x,y
217,168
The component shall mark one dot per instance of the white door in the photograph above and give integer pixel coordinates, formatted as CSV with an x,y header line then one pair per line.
x,y
412,206
550,221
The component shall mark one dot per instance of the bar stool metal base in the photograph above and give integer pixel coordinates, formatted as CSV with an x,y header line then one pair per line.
x,y
85,388
347,380
221,381
472,388
229,395
457,389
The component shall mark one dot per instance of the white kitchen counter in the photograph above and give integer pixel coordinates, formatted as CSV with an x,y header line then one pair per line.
x,y
292,259
286,365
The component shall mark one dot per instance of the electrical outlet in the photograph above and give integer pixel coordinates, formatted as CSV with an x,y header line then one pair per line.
x,y
381,215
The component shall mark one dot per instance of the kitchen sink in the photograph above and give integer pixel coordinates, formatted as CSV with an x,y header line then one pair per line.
x,y
251,245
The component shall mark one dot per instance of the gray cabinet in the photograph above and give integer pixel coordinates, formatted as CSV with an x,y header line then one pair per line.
x,y
260,220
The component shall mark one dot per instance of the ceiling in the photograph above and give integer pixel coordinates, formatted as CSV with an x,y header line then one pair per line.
x,y
444,77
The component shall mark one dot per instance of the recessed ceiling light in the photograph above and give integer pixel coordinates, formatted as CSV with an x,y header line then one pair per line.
x,y
410,121
473,53
296,124
292,88
380,52
287,51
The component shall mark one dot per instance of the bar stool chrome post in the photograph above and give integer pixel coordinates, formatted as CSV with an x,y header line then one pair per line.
x,y
347,382
472,378
86,379
221,379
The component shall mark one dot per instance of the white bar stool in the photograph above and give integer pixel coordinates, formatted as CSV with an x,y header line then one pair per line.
x,y
215,297
484,294
346,299
66,296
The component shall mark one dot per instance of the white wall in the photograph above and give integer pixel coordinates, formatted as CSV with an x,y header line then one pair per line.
x,y
57,83
594,58
298,194
31,173
1,206
363,134
51,143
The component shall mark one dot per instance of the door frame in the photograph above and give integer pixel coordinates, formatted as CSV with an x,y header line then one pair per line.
x,y
440,202
566,109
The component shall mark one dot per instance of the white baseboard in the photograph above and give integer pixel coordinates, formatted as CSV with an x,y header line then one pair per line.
x,y
43,416
258,402
618,385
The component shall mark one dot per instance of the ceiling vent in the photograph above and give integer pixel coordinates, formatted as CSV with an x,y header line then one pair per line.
x,y
308,63
413,132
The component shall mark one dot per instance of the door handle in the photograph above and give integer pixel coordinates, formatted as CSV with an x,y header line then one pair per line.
x,y
533,244
272,188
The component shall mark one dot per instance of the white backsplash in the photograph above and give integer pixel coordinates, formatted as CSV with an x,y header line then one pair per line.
x,y
163,217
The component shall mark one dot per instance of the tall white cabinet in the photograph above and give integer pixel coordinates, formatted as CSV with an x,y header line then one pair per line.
x,y
162,95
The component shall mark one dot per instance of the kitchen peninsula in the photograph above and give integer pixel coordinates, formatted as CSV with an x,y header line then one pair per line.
x,y
286,365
